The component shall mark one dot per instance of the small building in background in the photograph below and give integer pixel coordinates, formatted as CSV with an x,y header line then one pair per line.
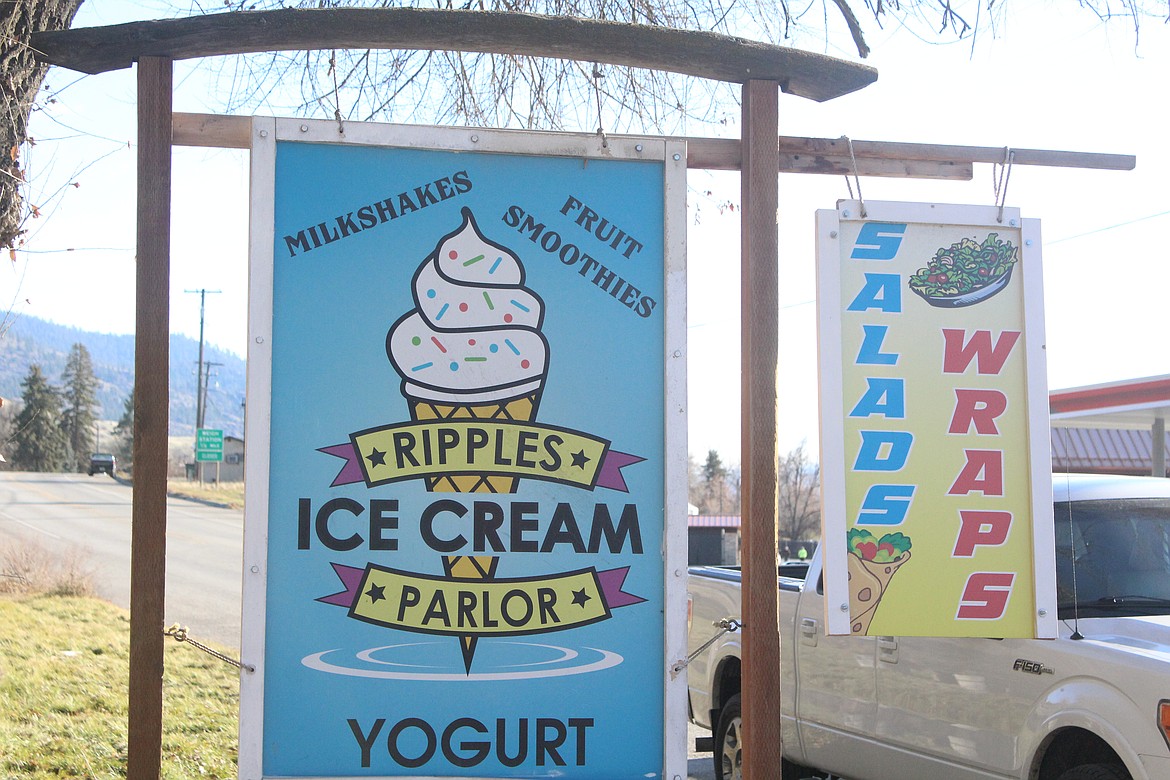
x,y
713,540
230,469
1113,428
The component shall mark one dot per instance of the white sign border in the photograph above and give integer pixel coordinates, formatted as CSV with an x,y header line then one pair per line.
x,y
265,133
833,522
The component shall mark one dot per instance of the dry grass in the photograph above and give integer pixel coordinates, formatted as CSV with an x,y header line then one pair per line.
x,y
27,567
64,671
229,494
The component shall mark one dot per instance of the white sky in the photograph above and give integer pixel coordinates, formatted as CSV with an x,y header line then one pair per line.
x,y
1050,80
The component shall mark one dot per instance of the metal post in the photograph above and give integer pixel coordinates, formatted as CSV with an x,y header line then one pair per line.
x,y
1158,447
760,253
151,397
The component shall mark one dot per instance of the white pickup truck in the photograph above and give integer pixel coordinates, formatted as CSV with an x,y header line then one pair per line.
x,y
1091,705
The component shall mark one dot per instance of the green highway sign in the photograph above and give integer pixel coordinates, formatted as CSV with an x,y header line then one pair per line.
x,y
209,445
209,439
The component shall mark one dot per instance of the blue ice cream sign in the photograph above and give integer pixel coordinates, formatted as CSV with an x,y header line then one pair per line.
x,y
466,476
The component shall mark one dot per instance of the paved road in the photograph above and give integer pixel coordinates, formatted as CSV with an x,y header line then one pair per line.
x,y
67,513
700,766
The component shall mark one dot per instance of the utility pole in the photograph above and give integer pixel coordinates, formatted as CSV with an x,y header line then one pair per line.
x,y
201,411
199,389
207,366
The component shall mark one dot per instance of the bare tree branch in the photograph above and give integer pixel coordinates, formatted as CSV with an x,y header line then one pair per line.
x,y
20,81
799,496
501,91
854,28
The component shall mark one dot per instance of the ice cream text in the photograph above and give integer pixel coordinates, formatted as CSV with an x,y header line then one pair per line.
x,y
448,526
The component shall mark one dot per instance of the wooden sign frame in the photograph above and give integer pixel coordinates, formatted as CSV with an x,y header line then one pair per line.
x,y
763,70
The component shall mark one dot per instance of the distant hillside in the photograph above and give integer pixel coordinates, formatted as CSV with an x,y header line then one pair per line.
x,y
31,340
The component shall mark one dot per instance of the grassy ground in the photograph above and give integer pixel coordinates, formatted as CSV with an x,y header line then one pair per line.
x,y
64,668
227,493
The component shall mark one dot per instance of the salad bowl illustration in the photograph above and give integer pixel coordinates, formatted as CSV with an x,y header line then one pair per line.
x,y
966,272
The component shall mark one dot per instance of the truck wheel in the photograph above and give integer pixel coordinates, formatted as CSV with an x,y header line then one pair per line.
x,y
729,742
1096,772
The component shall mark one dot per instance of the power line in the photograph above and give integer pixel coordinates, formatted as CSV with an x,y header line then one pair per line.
x,y
1110,227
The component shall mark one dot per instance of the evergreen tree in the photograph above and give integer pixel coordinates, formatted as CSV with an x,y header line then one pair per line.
x,y
714,485
39,442
80,413
124,434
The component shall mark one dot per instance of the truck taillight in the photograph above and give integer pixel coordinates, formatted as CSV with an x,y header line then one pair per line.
x,y
1164,719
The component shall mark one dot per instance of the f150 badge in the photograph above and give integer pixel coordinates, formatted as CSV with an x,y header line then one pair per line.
x,y
1031,667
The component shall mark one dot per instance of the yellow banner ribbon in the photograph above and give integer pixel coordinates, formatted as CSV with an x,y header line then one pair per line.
x,y
479,607
440,448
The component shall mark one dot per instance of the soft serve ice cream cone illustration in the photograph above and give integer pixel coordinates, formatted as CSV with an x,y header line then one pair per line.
x,y
872,564
472,348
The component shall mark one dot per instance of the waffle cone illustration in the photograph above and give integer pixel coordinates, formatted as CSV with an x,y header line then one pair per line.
x,y
521,408
472,348
872,564
467,568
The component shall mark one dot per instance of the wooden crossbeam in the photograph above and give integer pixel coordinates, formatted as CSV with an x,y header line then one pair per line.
x,y
690,52
797,155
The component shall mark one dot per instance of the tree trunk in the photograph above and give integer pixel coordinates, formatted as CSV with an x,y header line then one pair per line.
x,y
20,80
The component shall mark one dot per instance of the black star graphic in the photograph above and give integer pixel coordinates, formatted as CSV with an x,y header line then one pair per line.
x,y
579,459
580,597
376,593
376,457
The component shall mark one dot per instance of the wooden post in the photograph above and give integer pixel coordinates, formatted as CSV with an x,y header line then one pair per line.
x,y
148,545
759,245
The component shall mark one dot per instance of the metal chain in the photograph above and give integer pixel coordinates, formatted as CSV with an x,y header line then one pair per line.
x,y
336,93
856,178
598,75
1001,178
180,634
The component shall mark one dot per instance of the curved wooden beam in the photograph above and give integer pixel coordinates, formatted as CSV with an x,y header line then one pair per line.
x,y
689,52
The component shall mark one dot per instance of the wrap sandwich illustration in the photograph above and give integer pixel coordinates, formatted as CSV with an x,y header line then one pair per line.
x,y
873,562
472,348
